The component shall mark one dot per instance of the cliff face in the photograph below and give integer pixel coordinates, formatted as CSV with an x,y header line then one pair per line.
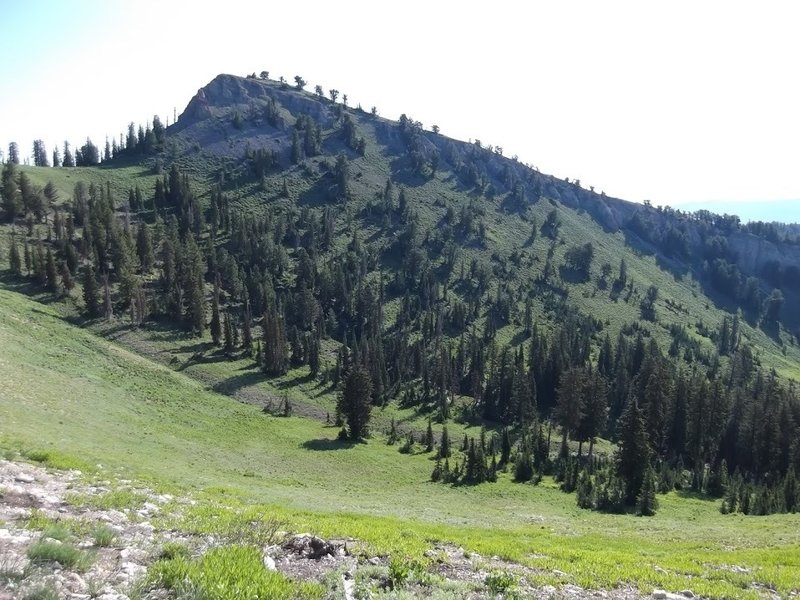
x,y
226,93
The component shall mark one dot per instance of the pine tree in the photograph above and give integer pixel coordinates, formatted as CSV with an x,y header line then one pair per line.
x,y
9,192
444,443
632,457
429,437
216,325
274,348
523,467
28,257
354,402
108,305
313,355
505,447
393,436
14,259
51,272
228,335
595,409
90,301
569,408
144,247
646,502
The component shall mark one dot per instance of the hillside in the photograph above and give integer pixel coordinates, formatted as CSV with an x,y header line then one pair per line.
x,y
424,335
124,418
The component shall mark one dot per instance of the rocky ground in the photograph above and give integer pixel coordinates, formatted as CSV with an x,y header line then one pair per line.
x,y
119,546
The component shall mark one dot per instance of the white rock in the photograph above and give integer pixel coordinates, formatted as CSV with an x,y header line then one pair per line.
x,y
269,563
75,582
349,586
130,571
130,554
374,561
24,478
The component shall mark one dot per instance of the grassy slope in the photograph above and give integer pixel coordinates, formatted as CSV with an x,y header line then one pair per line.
x,y
65,390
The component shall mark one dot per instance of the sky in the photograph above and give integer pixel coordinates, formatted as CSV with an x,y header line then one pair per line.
x,y
686,104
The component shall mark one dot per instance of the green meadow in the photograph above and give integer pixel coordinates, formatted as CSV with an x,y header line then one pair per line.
x,y
72,399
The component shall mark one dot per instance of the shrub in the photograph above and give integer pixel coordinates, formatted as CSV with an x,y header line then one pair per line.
x,y
500,582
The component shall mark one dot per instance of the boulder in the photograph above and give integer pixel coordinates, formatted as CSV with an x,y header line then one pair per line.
x,y
310,546
269,563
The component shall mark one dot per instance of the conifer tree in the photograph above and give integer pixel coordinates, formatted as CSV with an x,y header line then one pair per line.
x,y
215,327
274,348
144,247
14,259
9,192
632,457
51,272
647,502
313,355
229,336
444,443
595,410
523,468
354,402
90,301
108,305
569,408
393,436
28,257
505,447
39,265
247,332
429,437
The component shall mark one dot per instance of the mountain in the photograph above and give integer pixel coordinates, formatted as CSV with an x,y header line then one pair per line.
x,y
321,261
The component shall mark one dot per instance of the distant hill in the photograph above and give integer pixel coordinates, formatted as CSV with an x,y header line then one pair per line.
x,y
277,234
776,211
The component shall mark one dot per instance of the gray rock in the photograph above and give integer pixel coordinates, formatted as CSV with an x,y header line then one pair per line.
x,y
659,595
269,563
349,586
687,594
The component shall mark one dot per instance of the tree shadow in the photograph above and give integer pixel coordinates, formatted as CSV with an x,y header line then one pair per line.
x,y
694,495
573,276
325,445
231,385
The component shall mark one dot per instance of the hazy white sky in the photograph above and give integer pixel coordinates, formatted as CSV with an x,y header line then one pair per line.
x,y
673,102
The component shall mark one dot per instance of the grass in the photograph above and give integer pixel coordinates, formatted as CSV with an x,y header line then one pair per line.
x,y
41,592
228,573
70,396
47,551
104,536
